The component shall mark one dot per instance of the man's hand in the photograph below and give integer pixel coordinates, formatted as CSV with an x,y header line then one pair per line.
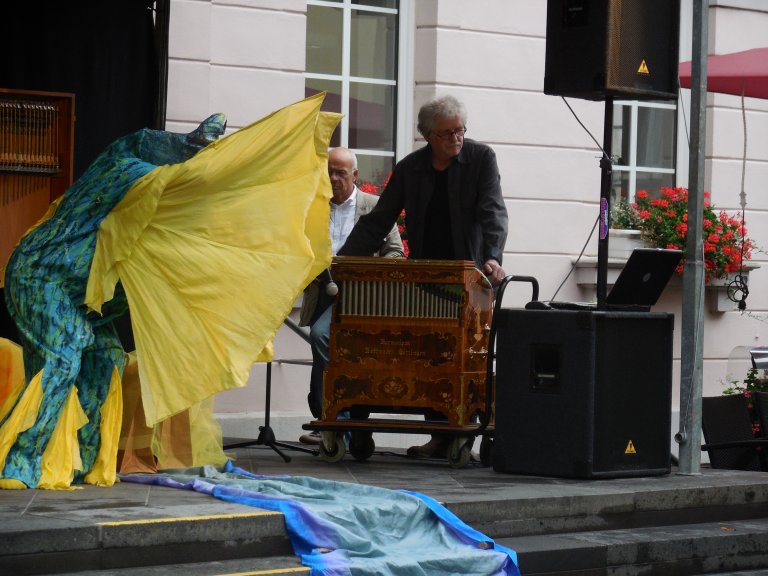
x,y
494,271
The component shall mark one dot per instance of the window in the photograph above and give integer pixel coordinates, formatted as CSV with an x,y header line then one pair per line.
x,y
352,55
644,140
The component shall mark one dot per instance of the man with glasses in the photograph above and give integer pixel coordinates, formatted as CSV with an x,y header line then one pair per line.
x,y
454,209
348,204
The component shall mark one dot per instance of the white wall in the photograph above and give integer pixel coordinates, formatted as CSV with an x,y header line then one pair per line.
x,y
246,57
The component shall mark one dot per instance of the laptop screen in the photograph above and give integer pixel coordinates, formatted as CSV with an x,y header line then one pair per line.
x,y
644,277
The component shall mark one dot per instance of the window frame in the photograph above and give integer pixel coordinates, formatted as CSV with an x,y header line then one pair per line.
x,y
402,83
632,168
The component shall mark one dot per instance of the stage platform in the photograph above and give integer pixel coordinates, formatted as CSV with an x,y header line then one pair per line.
x,y
714,522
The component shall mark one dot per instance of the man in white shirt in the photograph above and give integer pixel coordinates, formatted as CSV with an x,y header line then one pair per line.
x,y
347,205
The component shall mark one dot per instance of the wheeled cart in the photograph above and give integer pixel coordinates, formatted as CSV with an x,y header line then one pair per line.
x,y
410,337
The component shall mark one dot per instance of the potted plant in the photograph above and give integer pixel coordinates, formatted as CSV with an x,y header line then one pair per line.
x,y
624,216
754,381
663,223
624,234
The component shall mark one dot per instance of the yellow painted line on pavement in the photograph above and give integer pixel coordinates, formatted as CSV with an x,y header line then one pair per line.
x,y
303,569
189,518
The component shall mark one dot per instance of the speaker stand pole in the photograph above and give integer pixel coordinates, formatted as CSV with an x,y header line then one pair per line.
x,y
266,435
605,205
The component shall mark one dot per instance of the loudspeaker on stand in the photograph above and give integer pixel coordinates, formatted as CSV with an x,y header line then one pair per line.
x,y
620,48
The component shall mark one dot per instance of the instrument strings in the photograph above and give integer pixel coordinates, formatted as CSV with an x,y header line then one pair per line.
x,y
29,146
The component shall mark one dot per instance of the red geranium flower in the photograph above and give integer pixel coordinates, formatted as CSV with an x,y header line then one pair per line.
x,y
376,189
663,221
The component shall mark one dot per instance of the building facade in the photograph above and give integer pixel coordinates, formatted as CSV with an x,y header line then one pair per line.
x,y
381,59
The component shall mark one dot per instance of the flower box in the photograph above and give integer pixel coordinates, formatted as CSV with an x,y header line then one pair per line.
x,y
622,242
718,290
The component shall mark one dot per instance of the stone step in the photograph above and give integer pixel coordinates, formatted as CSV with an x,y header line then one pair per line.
x,y
680,550
566,507
56,548
271,566
545,519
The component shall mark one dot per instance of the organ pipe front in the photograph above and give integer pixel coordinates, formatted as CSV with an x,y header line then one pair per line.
x,y
408,337
36,158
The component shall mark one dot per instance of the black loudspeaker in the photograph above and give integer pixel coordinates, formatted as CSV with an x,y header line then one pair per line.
x,y
620,48
583,394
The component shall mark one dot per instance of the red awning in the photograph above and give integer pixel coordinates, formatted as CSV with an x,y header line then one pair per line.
x,y
734,73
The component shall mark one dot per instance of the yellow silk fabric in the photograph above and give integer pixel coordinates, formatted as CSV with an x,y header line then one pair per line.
x,y
61,457
214,251
22,418
191,438
188,439
11,374
104,470
62,453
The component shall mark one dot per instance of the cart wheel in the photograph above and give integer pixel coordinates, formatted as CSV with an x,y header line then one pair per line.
x,y
361,446
487,449
458,452
338,449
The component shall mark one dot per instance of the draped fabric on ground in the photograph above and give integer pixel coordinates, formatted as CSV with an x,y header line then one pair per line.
x,y
341,529
210,249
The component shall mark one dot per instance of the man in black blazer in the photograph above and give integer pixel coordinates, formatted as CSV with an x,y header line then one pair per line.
x,y
454,208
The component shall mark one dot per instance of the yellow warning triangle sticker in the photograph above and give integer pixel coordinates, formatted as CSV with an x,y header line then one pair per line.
x,y
643,68
630,448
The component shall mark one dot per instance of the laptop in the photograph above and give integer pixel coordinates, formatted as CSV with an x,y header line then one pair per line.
x,y
638,287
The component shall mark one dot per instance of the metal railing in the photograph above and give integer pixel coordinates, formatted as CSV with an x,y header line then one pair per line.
x,y
303,333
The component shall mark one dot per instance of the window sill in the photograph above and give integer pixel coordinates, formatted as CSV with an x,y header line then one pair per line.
x,y
716,290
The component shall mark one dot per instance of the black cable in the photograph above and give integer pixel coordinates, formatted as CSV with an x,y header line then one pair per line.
x,y
604,158
739,284
586,129
737,289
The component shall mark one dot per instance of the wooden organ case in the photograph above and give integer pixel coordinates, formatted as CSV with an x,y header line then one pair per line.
x,y
408,336
36,144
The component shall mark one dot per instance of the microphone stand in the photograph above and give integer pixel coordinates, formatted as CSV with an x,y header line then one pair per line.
x,y
266,435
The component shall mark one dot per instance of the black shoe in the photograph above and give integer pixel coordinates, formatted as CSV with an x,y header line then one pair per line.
x,y
312,438
437,447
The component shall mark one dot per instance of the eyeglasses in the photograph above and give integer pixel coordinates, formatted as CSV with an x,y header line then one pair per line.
x,y
338,173
448,134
